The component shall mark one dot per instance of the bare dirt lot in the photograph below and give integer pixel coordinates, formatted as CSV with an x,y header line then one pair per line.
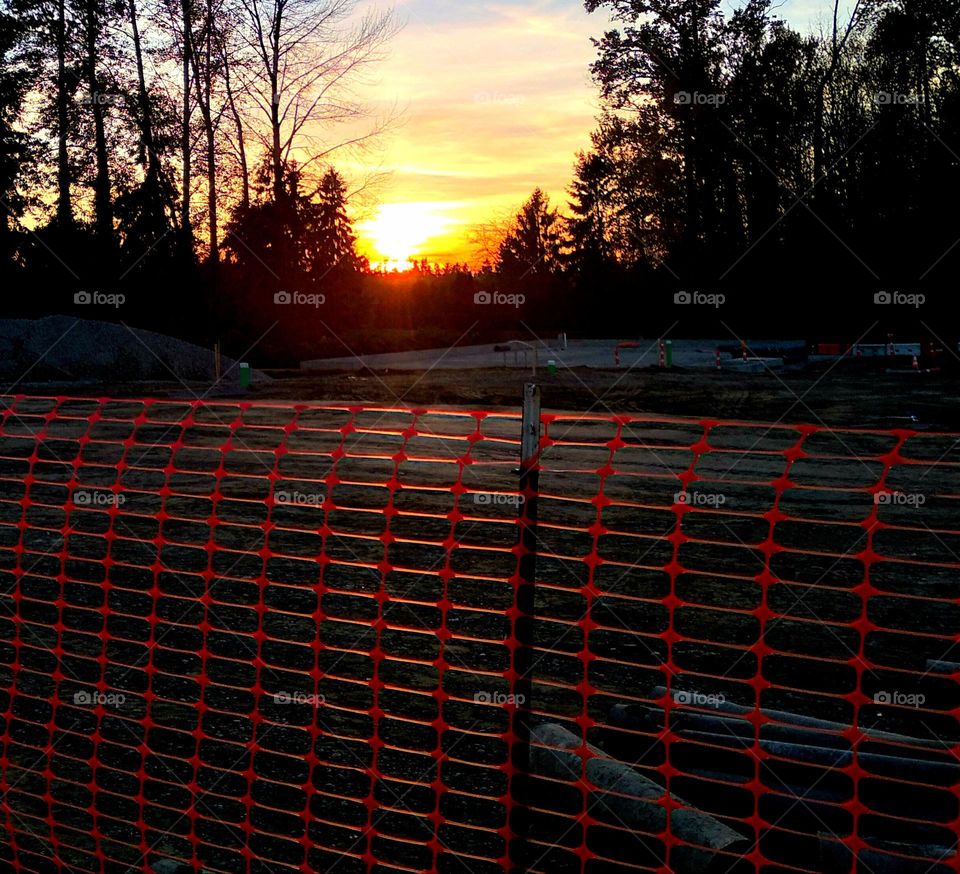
x,y
206,609
843,396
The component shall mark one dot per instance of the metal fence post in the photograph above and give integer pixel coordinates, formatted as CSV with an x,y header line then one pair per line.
x,y
523,628
529,488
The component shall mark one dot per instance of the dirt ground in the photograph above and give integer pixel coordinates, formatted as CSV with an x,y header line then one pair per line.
x,y
845,395
252,618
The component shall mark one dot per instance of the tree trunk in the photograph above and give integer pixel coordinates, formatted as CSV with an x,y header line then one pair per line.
x,y
276,157
277,160
185,124
818,123
103,216
690,188
151,160
214,253
241,147
925,73
202,79
64,204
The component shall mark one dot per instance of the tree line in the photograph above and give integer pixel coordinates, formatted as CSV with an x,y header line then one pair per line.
x,y
735,153
153,147
183,153
808,180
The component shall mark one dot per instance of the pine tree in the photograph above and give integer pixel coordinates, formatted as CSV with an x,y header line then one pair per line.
x,y
334,242
589,240
533,245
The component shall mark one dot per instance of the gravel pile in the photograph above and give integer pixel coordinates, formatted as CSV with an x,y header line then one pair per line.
x,y
63,348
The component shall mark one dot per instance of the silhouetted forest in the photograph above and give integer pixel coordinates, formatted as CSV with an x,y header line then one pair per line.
x,y
173,164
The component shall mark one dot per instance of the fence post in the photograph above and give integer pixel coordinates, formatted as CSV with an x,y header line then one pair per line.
x,y
523,628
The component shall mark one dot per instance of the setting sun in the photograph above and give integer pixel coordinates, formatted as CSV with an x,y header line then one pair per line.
x,y
399,232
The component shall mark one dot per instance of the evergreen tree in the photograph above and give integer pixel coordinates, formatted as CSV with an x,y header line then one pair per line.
x,y
530,263
298,241
332,229
532,248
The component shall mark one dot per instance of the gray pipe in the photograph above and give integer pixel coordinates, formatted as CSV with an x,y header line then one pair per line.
x,y
939,773
780,716
610,781
636,811
938,666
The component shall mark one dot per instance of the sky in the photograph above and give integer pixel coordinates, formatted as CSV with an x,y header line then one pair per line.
x,y
495,99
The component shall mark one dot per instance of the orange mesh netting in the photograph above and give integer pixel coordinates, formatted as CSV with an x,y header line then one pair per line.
x,y
244,637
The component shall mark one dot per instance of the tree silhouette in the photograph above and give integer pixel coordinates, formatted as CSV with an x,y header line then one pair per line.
x,y
532,247
299,241
733,147
14,145
336,243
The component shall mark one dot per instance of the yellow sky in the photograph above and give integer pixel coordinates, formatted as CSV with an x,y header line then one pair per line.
x,y
496,99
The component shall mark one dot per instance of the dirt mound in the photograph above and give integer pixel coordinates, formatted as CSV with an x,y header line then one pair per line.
x,y
63,348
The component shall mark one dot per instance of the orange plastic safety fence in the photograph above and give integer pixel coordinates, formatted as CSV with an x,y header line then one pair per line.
x,y
241,637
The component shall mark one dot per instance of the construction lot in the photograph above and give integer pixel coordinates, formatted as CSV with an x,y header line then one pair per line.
x,y
376,600
850,394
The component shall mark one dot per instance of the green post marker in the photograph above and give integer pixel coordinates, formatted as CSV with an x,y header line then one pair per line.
x,y
669,353
244,375
552,367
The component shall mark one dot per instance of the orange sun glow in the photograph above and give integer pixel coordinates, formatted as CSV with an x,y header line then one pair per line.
x,y
399,232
